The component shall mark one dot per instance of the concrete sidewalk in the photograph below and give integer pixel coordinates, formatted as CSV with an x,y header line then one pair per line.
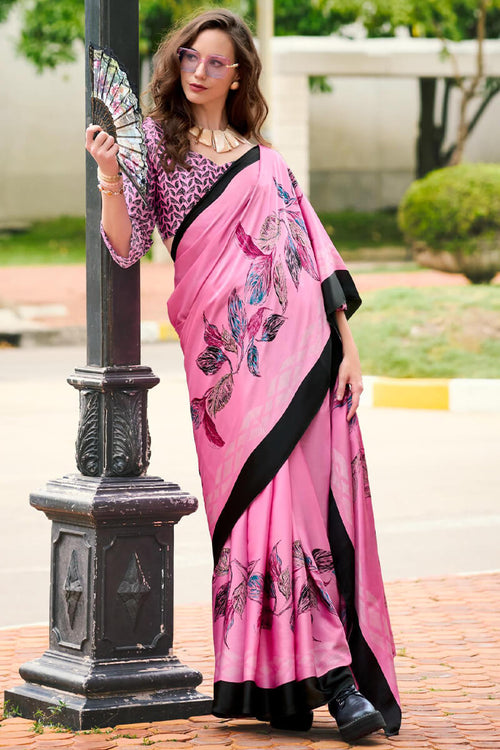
x,y
448,664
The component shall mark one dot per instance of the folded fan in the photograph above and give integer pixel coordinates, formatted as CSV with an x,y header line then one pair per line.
x,y
115,107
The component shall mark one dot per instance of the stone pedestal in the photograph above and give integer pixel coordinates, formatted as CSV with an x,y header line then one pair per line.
x,y
110,658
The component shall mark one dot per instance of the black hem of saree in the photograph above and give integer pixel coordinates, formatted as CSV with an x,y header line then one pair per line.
x,y
249,157
239,699
366,669
339,289
270,455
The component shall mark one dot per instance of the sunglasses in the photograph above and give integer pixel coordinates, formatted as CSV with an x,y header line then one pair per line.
x,y
216,66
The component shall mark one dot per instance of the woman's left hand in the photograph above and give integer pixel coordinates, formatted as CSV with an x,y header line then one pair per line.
x,y
350,367
350,377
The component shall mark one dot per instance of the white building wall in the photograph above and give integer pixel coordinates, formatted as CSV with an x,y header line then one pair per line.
x,y
42,125
363,137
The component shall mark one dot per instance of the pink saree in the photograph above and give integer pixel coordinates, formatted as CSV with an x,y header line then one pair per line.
x,y
297,587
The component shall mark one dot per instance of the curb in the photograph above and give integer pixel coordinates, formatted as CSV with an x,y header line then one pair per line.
x,y
454,394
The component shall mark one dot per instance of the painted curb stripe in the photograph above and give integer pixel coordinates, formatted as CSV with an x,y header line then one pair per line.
x,y
411,394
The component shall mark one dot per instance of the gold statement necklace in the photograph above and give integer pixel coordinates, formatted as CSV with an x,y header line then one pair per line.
x,y
220,140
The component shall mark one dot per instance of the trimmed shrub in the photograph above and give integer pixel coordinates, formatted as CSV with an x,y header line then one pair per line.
x,y
451,220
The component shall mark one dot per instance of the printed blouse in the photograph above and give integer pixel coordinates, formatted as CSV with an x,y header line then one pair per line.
x,y
170,196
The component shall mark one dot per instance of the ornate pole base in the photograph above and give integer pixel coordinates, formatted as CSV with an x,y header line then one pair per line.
x,y
110,657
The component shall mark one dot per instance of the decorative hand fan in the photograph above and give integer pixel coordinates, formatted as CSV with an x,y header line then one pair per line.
x,y
115,107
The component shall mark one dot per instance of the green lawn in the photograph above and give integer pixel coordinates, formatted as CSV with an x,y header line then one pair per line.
x,y
351,230
433,332
62,240
56,241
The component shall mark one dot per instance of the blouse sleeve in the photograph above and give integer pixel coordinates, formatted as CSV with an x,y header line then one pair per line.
x,y
142,216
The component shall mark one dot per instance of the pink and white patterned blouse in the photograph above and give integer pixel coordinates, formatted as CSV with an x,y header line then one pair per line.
x,y
170,196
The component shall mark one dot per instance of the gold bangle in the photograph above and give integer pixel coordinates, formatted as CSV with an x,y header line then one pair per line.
x,y
109,178
109,192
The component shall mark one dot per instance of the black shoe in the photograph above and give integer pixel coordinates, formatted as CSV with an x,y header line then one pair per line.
x,y
294,723
355,716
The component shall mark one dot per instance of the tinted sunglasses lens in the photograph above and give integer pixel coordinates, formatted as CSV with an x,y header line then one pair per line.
x,y
189,59
216,67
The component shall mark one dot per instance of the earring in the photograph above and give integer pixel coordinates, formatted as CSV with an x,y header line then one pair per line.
x,y
234,85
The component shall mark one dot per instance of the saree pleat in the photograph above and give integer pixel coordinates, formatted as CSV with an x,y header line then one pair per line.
x,y
257,284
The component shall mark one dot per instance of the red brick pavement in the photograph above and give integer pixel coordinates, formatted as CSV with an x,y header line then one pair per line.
x,y
65,285
448,664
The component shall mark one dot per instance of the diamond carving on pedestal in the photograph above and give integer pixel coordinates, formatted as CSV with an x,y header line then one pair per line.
x,y
73,588
134,588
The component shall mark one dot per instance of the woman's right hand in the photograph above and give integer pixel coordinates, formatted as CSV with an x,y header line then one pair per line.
x,y
103,148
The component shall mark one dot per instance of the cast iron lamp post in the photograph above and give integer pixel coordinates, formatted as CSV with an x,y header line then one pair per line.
x,y
110,656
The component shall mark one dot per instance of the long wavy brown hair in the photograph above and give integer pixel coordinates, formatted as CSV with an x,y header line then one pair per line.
x,y
246,108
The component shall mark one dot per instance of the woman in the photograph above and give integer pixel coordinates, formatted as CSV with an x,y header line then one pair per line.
x,y
260,304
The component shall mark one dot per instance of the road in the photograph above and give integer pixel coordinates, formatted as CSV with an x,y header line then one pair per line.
x,y
434,475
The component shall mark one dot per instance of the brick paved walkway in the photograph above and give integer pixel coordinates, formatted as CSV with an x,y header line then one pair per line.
x,y
448,663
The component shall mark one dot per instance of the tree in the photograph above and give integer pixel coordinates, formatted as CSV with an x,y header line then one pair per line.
x,y
448,20
51,29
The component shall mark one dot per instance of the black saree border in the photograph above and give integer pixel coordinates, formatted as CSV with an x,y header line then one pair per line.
x,y
339,289
272,452
239,699
219,186
365,667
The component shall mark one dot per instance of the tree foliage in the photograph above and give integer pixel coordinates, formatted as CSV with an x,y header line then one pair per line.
x,y
51,29
307,17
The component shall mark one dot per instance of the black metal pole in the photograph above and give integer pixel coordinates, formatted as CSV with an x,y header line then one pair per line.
x,y
110,657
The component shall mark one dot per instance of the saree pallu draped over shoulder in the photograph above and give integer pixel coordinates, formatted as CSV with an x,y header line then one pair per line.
x,y
297,587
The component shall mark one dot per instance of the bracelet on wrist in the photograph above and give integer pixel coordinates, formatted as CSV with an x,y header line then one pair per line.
x,y
109,177
105,191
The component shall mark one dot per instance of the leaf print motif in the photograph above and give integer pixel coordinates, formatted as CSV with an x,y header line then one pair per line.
x,y
271,327
222,567
298,555
197,411
274,563
256,587
323,559
302,246
211,431
292,261
212,335
220,394
221,599
279,283
255,322
246,243
266,619
258,282
211,360
325,597
307,599
269,587
230,344
283,194
237,317
239,598
253,360
293,180
269,230
285,583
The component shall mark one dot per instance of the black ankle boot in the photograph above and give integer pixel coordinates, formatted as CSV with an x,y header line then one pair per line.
x,y
355,716
294,723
